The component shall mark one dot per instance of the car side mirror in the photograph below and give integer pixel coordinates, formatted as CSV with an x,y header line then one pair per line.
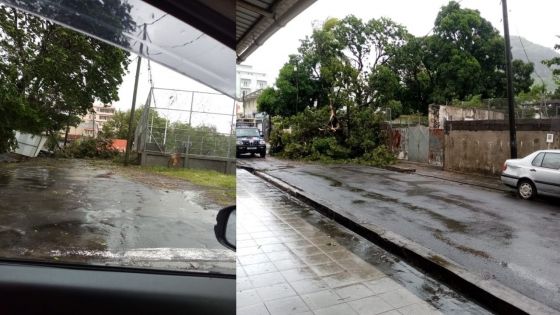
x,y
225,227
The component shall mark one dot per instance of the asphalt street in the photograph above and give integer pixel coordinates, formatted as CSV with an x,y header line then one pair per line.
x,y
491,233
75,211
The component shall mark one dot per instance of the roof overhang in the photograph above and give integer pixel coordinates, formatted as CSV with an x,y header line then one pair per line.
x,y
257,20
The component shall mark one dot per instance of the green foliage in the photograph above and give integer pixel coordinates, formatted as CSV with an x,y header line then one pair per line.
x,y
366,132
300,137
380,156
49,75
117,126
554,65
329,147
536,93
522,80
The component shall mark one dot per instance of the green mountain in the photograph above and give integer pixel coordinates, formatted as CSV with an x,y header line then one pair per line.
x,y
536,54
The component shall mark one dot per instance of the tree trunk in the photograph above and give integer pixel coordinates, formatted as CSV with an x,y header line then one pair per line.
x,y
66,134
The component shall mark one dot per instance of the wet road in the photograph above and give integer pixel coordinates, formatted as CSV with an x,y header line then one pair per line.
x,y
490,233
291,259
73,211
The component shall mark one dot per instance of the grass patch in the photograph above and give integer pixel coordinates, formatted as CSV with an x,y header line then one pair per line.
x,y
204,178
220,187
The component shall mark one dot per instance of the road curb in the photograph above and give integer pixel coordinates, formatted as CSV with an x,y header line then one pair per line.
x,y
399,169
488,292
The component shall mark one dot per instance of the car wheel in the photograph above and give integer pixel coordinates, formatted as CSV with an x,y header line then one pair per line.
x,y
526,189
263,154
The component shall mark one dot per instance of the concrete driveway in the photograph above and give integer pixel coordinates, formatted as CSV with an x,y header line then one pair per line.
x,y
74,211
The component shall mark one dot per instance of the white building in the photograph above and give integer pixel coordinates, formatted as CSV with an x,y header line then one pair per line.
x,y
102,113
249,83
249,80
92,122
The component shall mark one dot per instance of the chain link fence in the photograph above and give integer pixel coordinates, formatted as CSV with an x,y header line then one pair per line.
x,y
187,122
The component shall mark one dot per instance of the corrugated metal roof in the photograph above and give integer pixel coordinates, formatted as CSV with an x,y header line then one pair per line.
x,y
257,20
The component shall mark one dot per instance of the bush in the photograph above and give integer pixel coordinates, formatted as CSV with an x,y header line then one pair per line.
x,y
330,147
306,139
91,148
380,156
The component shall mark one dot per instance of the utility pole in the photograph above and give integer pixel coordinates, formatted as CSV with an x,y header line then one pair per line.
x,y
131,120
512,132
297,86
93,121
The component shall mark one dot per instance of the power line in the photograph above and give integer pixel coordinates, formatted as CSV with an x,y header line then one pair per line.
x,y
157,20
526,55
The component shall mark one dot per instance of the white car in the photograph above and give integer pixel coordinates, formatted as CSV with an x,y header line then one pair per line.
x,y
538,172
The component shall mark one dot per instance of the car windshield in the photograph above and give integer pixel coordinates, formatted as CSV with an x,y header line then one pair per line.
x,y
247,132
66,100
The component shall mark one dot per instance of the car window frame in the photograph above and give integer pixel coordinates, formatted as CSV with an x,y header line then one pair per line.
x,y
536,157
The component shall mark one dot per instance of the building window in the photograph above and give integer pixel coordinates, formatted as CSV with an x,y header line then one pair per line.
x,y
261,84
245,82
245,91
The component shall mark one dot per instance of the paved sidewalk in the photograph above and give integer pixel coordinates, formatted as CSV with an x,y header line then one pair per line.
x,y
288,266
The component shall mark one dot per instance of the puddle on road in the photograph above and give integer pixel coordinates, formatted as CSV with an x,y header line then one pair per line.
x,y
333,182
74,204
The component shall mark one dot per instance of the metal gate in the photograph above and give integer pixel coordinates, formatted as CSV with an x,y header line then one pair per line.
x,y
417,143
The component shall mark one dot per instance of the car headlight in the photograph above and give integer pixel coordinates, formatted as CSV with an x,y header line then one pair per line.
x,y
238,142
262,142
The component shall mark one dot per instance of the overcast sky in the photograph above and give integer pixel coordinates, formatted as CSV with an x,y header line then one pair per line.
x,y
536,20
164,77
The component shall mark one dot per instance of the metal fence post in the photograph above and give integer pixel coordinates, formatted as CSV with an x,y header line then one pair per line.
x,y
215,145
186,158
231,133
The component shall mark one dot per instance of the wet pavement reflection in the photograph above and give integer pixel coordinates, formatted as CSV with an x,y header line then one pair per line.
x,y
293,260
74,211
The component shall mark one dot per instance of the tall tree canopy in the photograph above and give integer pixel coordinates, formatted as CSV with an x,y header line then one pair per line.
x,y
378,64
343,62
49,74
554,64
465,57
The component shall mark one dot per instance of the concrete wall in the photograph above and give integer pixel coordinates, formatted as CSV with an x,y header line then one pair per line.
x,y
219,164
484,151
439,114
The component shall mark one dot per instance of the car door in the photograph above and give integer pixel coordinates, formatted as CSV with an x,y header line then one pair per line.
x,y
547,176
